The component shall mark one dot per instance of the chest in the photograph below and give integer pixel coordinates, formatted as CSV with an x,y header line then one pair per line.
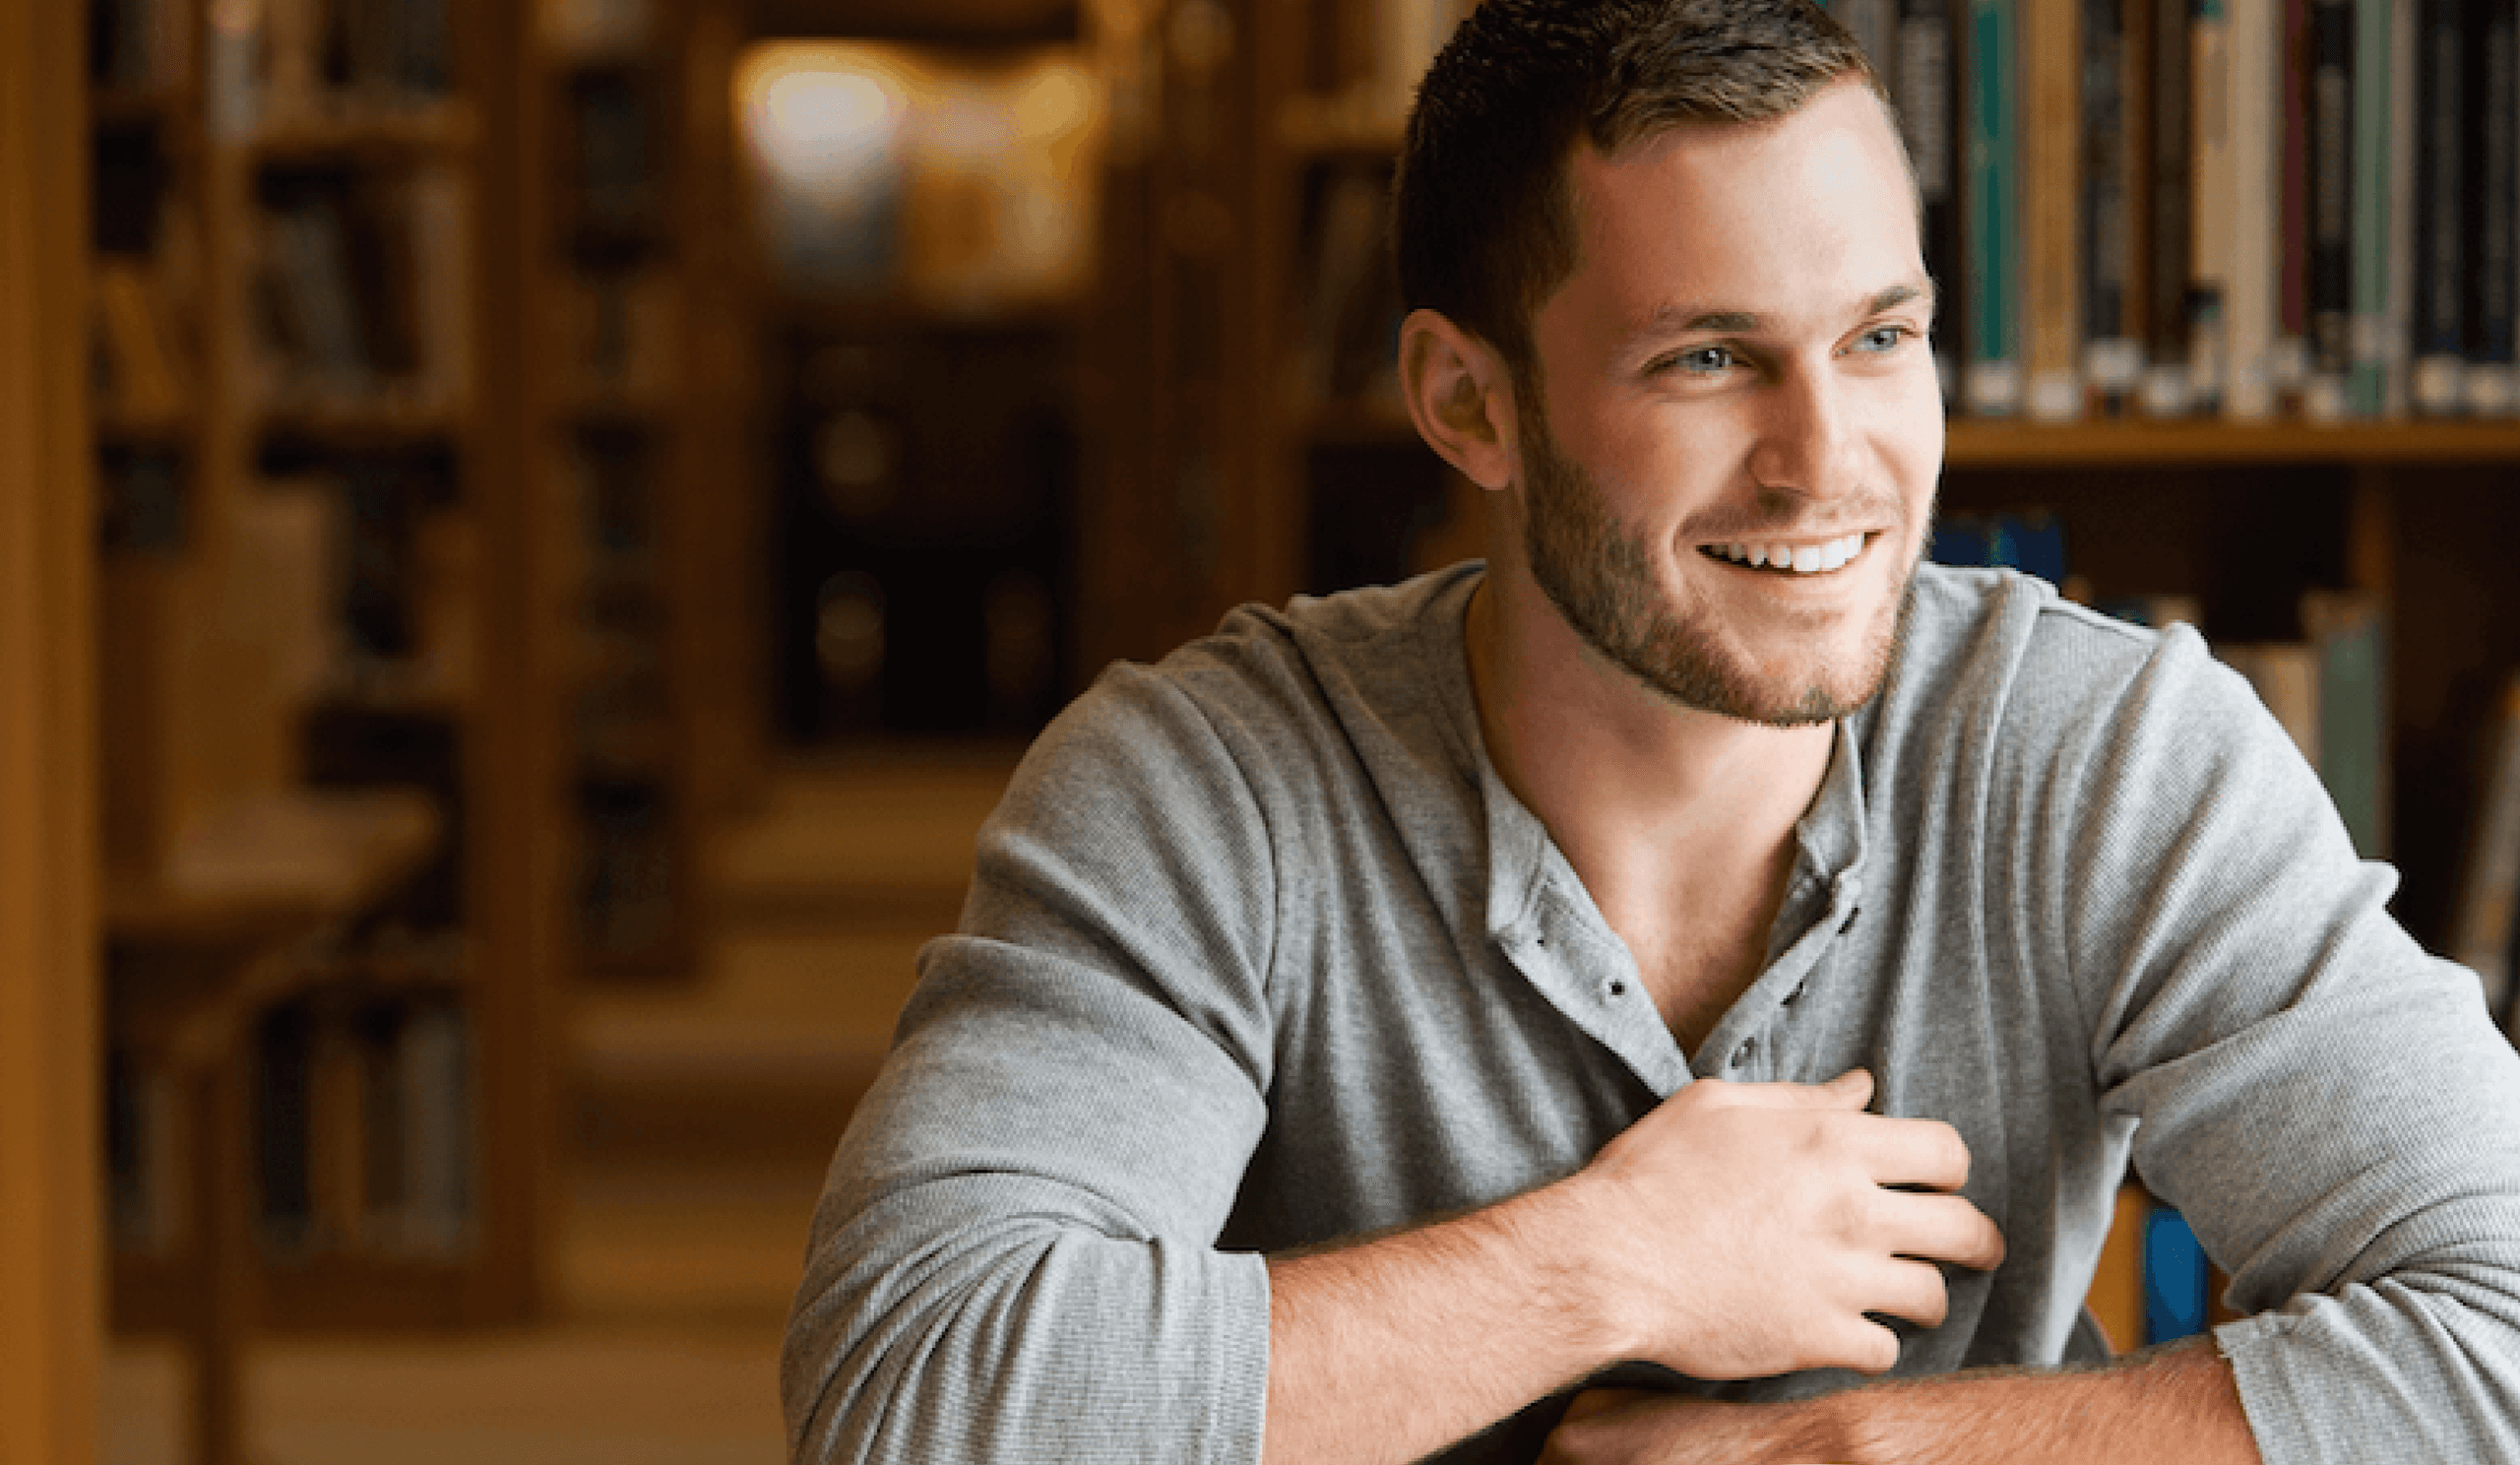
x,y
1697,956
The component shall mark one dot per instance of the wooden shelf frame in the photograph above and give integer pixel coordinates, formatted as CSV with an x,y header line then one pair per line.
x,y
51,1256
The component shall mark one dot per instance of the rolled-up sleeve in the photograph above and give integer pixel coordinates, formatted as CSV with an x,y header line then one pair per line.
x,y
1015,1256
2329,1105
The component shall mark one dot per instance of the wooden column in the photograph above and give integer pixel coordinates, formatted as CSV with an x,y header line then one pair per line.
x,y
51,1223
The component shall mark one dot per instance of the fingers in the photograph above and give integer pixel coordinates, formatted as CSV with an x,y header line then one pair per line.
x,y
1940,1228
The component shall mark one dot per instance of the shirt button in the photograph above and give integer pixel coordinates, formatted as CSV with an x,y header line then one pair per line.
x,y
1749,1049
1615,987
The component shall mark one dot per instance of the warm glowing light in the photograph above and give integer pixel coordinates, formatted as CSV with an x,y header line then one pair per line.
x,y
964,183
823,118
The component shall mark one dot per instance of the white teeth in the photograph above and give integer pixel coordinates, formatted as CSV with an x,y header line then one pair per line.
x,y
1806,559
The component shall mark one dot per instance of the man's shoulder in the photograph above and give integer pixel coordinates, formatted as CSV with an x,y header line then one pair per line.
x,y
1275,683
2001,652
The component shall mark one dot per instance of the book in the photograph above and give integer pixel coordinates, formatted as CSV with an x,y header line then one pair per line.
x,y
2290,362
2347,633
432,1072
2112,171
1926,88
2169,242
2484,913
147,1190
2031,541
141,364
1991,370
1874,24
2253,164
283,1053
2439,386
2328,281
2212,183
2177,1290
2051,196
2117,1296
2489,383
2371,349
1345,262
2285,678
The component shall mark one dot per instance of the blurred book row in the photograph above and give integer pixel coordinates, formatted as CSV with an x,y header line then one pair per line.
x,y
2250,209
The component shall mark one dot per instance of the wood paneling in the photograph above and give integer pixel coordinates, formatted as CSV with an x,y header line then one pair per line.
x,y
50,1285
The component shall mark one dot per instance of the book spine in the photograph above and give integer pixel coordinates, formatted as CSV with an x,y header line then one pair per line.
x,y
284,1055
2177,1302
2368,344
2112,359
2213,182
2169,236
1993,384
2482,925
2490,379
2291,360
2051,137
2353,687
1874,24
2440,347
2331,206
1927,90
2254,162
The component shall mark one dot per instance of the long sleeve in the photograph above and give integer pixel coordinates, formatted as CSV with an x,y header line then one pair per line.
x,y
1015,1257
2328,1105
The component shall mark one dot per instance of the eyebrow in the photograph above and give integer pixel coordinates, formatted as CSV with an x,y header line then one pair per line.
x,y
1670,321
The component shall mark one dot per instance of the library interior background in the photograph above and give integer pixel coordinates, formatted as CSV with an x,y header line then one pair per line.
x,y
539,530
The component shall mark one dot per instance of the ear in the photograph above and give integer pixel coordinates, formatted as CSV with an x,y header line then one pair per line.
x,y
1461,398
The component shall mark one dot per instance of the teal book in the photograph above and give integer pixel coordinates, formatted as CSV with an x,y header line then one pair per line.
x,y
2367,375
2349,635
1990,204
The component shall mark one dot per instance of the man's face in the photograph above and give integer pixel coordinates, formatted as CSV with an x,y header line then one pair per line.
x,y
1735,469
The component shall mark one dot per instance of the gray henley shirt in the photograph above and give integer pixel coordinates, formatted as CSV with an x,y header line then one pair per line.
x,y
1259,953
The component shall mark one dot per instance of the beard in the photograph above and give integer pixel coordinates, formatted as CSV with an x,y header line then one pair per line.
x,y
1599,574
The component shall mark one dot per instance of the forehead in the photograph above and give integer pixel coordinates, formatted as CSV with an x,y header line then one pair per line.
x,y
1749,216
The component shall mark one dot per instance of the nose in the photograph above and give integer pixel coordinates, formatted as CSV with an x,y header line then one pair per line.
x,y
1806,443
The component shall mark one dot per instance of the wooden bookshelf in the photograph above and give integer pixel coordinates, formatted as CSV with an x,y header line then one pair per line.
x,y
51,1261
329,744
1198,505
623,461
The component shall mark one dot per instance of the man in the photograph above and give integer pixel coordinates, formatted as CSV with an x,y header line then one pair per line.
x,y
1700,953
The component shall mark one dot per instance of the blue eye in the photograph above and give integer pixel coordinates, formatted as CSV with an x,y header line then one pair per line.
x,y
1704,360
1884,337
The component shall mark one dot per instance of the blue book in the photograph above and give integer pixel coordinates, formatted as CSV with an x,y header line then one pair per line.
x,y
2176,1281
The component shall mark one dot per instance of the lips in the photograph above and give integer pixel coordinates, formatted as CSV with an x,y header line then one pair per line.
x,y
1789,558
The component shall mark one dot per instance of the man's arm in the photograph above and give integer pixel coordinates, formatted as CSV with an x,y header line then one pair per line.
x,y
1737,1231
2178,1403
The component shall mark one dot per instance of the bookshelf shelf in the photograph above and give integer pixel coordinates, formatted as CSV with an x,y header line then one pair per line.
x,y
1975,443
332,807
1972,443
427,127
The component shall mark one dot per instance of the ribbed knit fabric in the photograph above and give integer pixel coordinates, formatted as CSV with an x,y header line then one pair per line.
x,y
1260,953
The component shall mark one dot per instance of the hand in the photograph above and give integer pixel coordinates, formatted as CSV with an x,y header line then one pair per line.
x,y
1746,1228
1607,1427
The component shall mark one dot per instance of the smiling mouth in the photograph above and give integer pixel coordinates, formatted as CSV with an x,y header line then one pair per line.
x,y
1790,559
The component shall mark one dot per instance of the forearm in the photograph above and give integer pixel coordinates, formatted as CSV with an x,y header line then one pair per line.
x,y
2174,1406
2177,1403
1432,1334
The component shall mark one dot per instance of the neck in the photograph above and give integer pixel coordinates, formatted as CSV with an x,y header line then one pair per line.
x,y
1639,793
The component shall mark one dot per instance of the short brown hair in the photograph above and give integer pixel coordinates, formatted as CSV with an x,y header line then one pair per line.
x,y
1484,230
